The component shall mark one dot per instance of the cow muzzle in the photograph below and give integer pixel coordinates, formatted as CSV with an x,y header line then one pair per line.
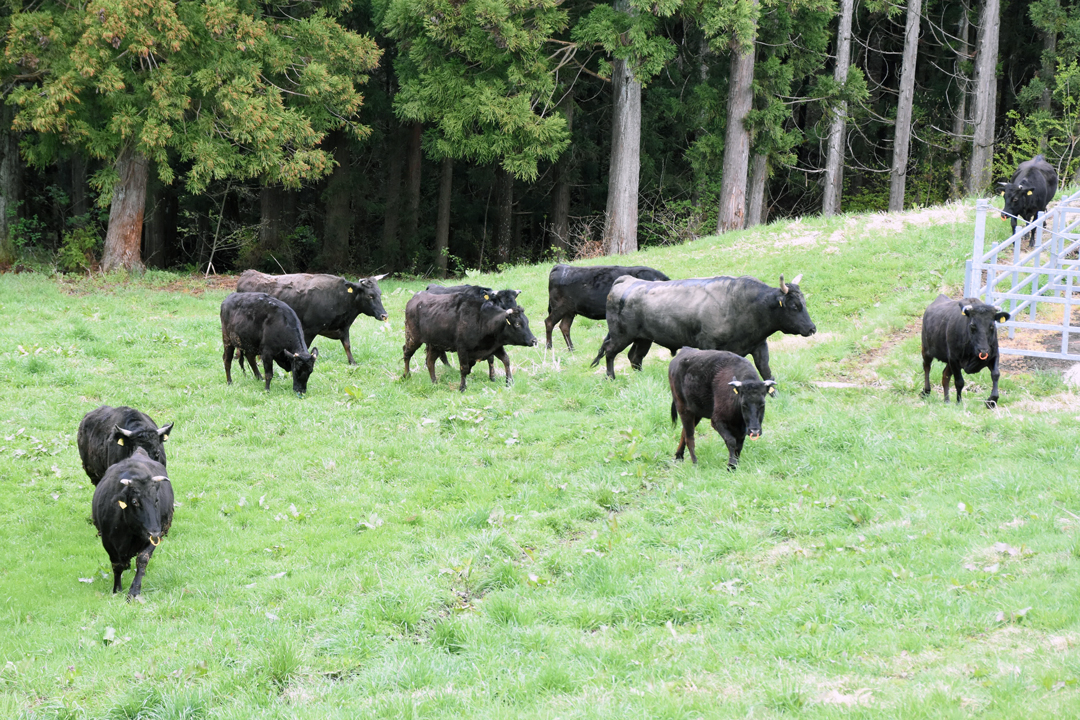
x,y
155,540
753,434
983,356
384,317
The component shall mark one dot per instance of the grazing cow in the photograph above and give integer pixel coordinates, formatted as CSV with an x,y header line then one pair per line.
x,y
505,299
583,291
464,323
720,313
723,387
325,304
1032,186
961,334
108,435
257,324
132,511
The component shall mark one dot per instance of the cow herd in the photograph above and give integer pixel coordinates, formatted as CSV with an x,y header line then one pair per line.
x,y
709,325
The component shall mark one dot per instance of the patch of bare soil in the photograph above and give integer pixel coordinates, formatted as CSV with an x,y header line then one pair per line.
x,y
896,222
198,284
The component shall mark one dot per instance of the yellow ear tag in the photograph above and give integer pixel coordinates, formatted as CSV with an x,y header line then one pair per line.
x,y
772,391
507,322
1029,192
735,390
120,441
486,297
350,289
122,504
166,436
781,303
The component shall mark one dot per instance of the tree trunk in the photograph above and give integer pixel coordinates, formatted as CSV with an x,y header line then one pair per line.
x,y
442,223
986,56
960,119
902,129
391,244
11,170
1049,56
335,247
154,243
79,205
732,214
701,179
757,213
834,162
124,236
560,197
412,186
621,217
504,215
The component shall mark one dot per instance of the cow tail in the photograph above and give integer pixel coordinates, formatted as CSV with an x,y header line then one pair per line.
x,y
603,347
674,413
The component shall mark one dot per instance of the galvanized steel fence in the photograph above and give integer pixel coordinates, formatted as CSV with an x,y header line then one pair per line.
x,y
1018,280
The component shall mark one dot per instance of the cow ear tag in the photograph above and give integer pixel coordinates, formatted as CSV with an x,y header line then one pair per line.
x,y
772,390
120,441
1029,192
486,297
735,390
122,504
166,437
350,289
781,303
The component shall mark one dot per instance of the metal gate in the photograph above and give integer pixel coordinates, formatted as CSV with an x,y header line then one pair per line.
x,y
1019,280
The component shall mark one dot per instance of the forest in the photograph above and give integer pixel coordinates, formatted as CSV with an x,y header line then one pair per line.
x,y
427,137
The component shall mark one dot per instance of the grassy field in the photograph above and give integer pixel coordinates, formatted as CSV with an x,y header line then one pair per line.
x,y
393,549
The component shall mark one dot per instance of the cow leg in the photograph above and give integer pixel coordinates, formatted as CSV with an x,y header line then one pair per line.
x,y
227,358
564,326
761,360
501,354
958,380
734,444
608,350
118,570
689,422
442,356
466,364
345,344
429,361
946,375
637,353
549,325
991,402
254,366
141,561
268,368
926,363
491,369
409,350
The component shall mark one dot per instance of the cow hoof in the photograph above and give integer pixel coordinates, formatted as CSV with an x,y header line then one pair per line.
x,y
924,393
992,403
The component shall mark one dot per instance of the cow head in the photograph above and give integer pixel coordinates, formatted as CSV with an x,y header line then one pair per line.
x,y
139,502
367,297
151,439
302,366
790,303
516,329
981,319
751,395
1020,201
506,298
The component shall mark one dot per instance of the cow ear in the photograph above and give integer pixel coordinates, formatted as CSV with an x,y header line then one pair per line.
x,y
1002,316
314,353
163,432
967,310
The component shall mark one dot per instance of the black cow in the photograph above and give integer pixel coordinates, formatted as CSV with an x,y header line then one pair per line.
x,y
723,387
961,334
1032,186
505,299
325,304
132,511
464,323
720,313
583,291
108,435
258,324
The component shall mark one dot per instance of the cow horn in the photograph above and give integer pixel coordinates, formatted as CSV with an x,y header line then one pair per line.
x,y
770,383
159,478
164,431
510,311
735,383
125,481
796,280
124,431
782,285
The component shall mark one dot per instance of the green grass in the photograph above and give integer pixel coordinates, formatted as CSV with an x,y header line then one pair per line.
x,y
388,548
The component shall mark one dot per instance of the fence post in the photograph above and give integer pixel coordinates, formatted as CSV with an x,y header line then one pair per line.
x,y
975,273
